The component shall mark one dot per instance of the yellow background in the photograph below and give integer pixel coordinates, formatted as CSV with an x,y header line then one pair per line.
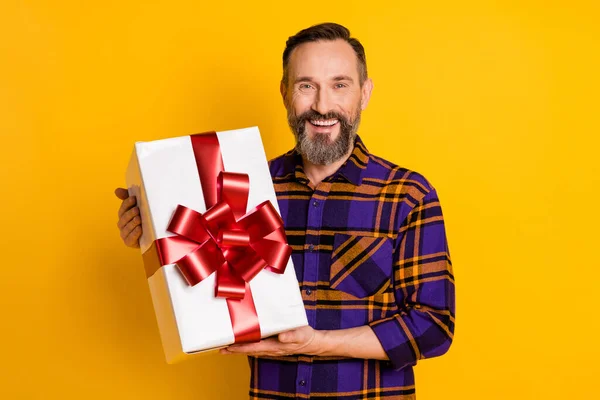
x,y
496,103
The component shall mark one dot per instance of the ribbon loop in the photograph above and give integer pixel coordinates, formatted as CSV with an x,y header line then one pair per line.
x,y
200,263
233,190
261,221
189,224
218,217
233,238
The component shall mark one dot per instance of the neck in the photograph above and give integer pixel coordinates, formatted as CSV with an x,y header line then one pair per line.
x,y
317,172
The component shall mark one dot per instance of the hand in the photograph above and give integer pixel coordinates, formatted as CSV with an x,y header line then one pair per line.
x,y
303,340
130,222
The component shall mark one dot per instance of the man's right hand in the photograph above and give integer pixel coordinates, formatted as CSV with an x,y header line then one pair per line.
x,y
130,222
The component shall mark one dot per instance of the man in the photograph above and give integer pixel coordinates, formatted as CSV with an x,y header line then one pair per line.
x,y
368,239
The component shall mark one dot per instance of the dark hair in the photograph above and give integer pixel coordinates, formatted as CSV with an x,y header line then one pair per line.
x,y
325,32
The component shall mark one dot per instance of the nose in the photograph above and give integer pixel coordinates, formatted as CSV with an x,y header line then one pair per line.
x,y
322,102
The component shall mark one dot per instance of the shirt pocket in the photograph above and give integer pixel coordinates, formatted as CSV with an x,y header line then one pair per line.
x,y
360,265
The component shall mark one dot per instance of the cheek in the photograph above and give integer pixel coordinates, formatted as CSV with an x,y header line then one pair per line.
x,y
349,104
350,110
299,107
301,101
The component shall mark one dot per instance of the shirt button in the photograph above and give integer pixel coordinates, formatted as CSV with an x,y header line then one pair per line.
x,y
315,203
311,247
308,291
302,383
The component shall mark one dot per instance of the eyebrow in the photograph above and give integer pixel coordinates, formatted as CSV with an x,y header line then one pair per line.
x,y
303,79
335,78
343,78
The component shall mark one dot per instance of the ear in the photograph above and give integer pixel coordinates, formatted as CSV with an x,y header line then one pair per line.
x,y
367,89
283,91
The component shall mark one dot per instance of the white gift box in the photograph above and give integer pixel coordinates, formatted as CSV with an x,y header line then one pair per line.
x,y
162,174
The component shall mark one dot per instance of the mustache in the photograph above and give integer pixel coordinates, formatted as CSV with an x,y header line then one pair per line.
x,y
314,115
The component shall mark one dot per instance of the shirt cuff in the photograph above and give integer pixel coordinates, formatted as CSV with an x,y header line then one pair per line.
x,y
394,341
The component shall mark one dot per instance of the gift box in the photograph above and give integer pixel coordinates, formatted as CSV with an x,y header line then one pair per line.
x,y
218,266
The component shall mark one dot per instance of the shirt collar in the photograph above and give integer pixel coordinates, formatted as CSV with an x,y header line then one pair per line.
x,y
352,170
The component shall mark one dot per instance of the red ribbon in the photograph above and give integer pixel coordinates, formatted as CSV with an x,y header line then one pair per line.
x,y
225,239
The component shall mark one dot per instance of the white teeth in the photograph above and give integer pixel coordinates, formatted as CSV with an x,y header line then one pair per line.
x,y
328,122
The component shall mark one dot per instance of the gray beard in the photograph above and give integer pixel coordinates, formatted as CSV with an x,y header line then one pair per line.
x,y
319,150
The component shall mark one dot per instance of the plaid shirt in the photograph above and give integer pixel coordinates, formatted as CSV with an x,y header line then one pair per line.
x,y
369,248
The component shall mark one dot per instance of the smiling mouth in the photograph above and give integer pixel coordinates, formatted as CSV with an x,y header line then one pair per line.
x,y
326,123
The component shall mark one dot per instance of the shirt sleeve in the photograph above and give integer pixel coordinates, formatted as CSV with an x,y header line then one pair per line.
x,y
424,289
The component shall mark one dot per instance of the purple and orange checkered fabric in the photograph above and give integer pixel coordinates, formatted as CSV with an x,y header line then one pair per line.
x,y
369,248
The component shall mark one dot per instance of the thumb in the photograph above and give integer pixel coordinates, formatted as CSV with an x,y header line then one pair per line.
x,y
121,193
287,337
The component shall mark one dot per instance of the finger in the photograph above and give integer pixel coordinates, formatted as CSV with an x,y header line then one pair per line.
x,y
243,349
126,205
121,193
128,216
126,230
268,345
133,239
288,337
247,348
265,354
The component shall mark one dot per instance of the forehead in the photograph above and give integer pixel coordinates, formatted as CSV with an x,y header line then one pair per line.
x,y
323,60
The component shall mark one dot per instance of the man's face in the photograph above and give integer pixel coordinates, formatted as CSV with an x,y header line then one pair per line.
x,y
324,98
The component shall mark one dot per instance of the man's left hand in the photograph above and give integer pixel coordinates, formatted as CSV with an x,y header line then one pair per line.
x,y
303,340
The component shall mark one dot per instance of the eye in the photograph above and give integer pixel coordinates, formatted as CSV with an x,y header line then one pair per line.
x,y
340,85
304,86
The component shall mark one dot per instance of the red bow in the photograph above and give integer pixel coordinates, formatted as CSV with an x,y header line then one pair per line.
x,y
224,240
